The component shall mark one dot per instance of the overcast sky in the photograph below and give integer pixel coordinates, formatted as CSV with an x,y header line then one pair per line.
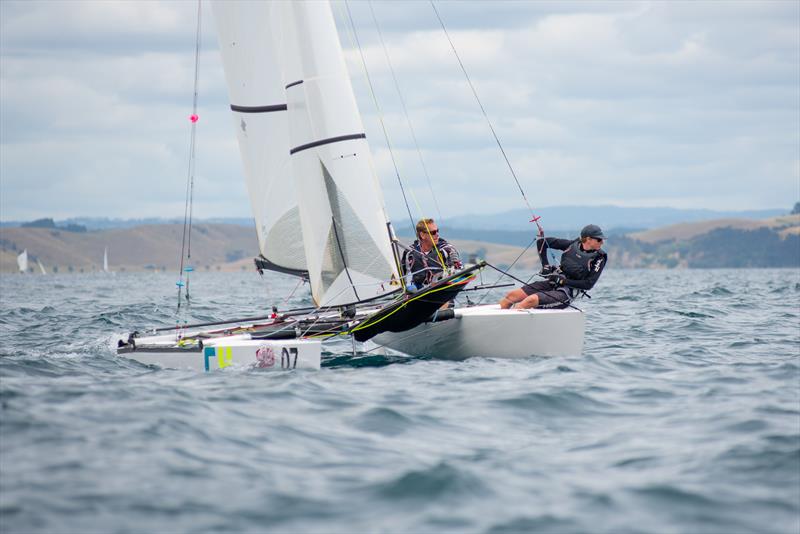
x,y
681,104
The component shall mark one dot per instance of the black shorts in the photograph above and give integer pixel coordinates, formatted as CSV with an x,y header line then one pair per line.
x,y
548,297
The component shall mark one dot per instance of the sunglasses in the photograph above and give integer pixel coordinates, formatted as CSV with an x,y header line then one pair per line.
x,y
598,239
432,232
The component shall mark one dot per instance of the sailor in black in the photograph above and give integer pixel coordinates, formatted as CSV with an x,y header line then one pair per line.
x,y
422,262
582,262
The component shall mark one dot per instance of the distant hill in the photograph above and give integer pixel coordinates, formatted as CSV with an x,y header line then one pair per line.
x,y
771,242
730,243
146,247
621,219
104,223
556,220
223,247
785,225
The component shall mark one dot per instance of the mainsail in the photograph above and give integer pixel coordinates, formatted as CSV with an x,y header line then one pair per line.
x,y
345,228
306,158
249,39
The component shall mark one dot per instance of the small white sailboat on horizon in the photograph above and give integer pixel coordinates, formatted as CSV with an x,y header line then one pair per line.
x,y
22,261
105,261
41,267
320,215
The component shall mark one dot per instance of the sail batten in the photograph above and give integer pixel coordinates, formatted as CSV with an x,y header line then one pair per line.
x,y
321,142
259,109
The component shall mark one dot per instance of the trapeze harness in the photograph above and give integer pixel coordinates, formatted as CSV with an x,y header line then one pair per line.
x,y
426,274
578,264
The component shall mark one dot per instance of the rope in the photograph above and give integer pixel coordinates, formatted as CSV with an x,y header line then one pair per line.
x,y
186,239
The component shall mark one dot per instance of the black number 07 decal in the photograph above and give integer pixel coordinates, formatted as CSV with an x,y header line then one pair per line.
x,y
289,358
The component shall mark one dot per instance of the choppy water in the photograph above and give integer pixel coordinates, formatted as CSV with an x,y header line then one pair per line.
x,y
682,415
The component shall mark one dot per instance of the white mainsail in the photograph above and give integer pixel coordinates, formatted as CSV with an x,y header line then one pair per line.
x,y
41,267
22,261
249,39
346,237
105,260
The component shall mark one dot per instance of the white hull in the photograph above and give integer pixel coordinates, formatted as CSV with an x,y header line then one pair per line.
x,y
226,351
492,332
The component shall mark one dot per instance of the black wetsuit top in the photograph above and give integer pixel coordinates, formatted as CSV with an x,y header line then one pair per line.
x,y
581,267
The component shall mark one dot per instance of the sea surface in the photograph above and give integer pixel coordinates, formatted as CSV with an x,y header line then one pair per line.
x,y
682,415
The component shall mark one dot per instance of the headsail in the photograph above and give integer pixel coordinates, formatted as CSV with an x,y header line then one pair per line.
x,y
346,238
249,39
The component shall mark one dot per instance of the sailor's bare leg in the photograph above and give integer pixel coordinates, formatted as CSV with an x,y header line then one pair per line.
x,y
513,296
528,302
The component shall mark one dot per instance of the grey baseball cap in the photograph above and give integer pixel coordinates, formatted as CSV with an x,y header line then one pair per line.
x,y
592,230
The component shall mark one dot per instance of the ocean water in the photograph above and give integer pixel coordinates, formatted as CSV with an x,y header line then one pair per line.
x,y
682,415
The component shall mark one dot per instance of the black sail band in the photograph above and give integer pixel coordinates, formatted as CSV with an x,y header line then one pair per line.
x,y
327,141
258,109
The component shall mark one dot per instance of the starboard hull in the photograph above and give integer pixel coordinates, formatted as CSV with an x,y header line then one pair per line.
x,y
491,332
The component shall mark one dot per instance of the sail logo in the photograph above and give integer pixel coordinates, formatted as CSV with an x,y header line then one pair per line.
x,y
224,356
265,357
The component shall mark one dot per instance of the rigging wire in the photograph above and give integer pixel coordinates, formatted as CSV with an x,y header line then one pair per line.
x,y
186,239
386,135
534,218
380,114
405,111
483,110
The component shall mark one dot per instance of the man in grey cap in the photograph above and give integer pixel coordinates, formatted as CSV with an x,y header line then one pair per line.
x,y
582,262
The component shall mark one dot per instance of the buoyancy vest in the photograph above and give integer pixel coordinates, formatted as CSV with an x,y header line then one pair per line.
x,y
576,264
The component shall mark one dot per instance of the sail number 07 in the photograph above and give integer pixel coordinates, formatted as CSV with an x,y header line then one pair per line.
x,y
289,358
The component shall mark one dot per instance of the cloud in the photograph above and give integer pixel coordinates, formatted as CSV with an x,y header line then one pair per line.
x,y
685,104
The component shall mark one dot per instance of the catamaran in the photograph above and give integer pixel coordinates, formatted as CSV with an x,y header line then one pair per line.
x,y
320,216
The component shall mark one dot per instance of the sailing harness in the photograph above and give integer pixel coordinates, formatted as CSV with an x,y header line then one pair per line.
x,y
576,264
429,268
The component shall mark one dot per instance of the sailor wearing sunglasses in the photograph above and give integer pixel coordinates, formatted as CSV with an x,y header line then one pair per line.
x,y
423,260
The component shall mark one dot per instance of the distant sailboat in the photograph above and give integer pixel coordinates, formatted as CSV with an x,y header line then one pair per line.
x,y
22,261
105,260
41,267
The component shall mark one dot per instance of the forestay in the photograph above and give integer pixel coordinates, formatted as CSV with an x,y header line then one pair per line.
x,y
249,39
345,230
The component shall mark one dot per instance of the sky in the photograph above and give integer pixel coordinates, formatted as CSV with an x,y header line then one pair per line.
x,y
660,103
